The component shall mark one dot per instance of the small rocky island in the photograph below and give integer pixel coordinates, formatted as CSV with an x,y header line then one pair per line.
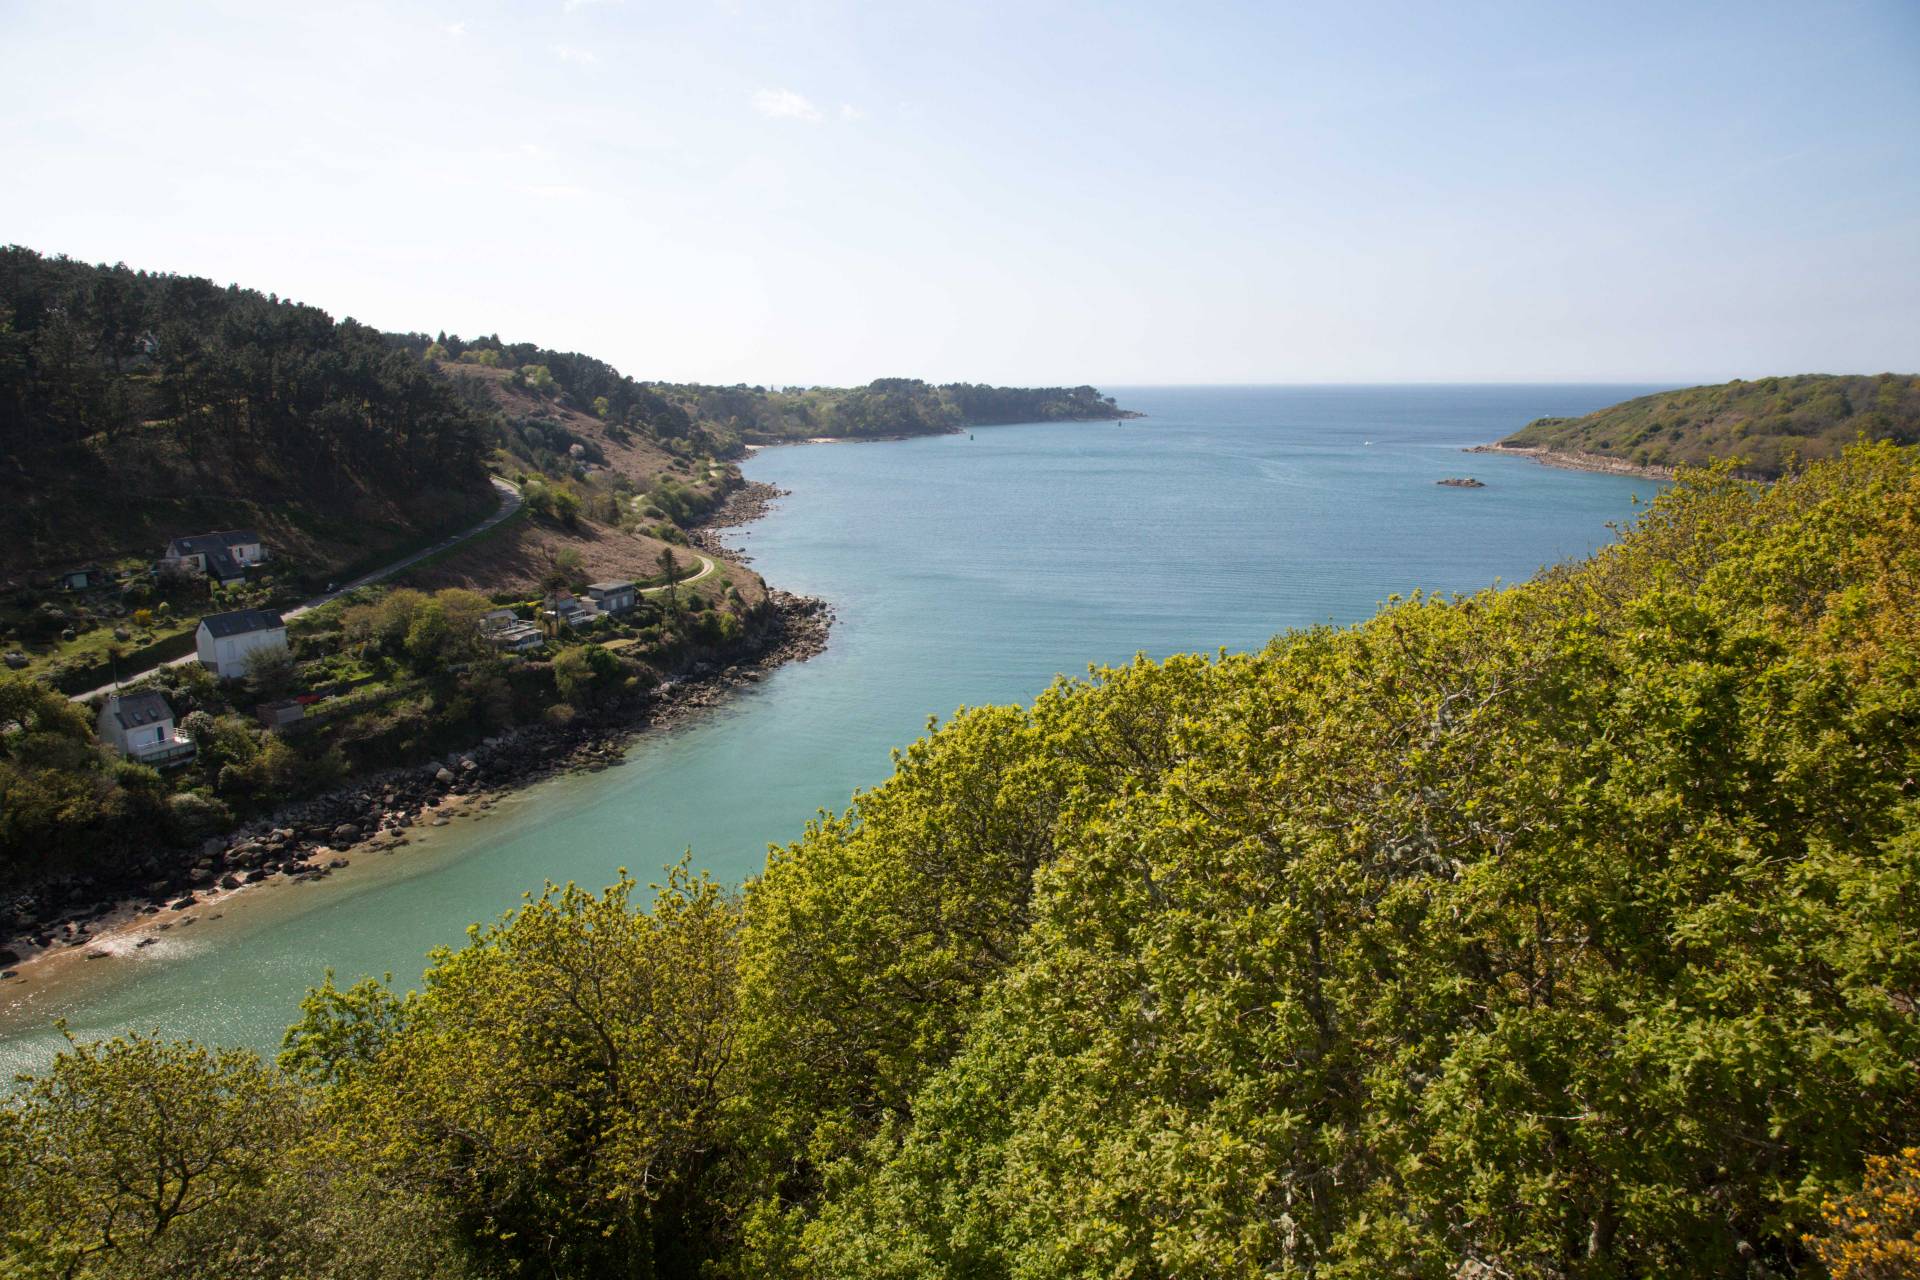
x,y
1462,482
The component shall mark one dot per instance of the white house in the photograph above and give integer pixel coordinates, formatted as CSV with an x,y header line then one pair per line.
x,y
223,556
140,727
228,642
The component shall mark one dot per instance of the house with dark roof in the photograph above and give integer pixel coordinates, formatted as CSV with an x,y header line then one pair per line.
x,y
229,643
223,556
140,727
612,597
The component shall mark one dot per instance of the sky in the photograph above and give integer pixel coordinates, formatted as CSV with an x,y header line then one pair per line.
x,y
824,192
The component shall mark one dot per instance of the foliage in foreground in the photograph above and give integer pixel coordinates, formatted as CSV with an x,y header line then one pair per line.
x,y
1568,930
138,1157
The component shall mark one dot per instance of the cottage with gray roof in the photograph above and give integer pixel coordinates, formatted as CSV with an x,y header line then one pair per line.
x,y
229,643
140,727
222,556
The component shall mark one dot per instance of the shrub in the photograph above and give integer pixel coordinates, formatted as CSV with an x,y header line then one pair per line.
x,y
1874,1234
196,814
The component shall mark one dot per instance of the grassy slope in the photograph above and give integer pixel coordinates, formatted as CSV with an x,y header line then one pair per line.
x,y
630,454
522,553
1767,424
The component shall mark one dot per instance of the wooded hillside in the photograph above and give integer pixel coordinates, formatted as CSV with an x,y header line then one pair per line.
x,y
137,406
1765,424
718,419
890,407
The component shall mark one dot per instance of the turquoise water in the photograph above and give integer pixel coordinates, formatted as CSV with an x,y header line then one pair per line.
x,y
964,570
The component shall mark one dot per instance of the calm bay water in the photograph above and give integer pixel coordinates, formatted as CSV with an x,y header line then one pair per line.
x,y
965,571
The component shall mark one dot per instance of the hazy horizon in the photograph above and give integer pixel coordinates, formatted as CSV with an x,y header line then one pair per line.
x,y
818,192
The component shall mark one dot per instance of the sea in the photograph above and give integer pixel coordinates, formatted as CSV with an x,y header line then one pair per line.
x,y
964,570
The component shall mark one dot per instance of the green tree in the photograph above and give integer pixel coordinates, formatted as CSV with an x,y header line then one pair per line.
x,y
566,571
136,1156
392,619
271,673
431,638
553,502
670,573
561,1082
584,673
128,1155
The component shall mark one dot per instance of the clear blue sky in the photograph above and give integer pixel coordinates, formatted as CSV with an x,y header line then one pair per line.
x,y
1032,192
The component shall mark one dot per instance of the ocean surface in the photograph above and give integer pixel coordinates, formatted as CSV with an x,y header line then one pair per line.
x,y
965,569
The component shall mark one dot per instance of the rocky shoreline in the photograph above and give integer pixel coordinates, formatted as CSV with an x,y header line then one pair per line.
x,y
311,839
743,506
1573,460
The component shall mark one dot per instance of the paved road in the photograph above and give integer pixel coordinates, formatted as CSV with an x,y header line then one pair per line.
x,y
706,567
509,503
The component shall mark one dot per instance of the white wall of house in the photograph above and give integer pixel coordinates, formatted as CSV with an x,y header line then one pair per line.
x,y
229,656
136,741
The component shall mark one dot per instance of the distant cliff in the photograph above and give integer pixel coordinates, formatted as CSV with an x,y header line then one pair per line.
x,y
1766,424
888,407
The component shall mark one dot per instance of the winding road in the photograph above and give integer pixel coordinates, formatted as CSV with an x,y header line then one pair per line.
x,y
509,503
706,567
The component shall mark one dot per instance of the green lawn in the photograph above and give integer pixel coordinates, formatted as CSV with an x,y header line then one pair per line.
x,y
91,648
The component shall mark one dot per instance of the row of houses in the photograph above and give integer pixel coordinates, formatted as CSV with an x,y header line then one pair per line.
x,y
506,630
603,600
141,725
